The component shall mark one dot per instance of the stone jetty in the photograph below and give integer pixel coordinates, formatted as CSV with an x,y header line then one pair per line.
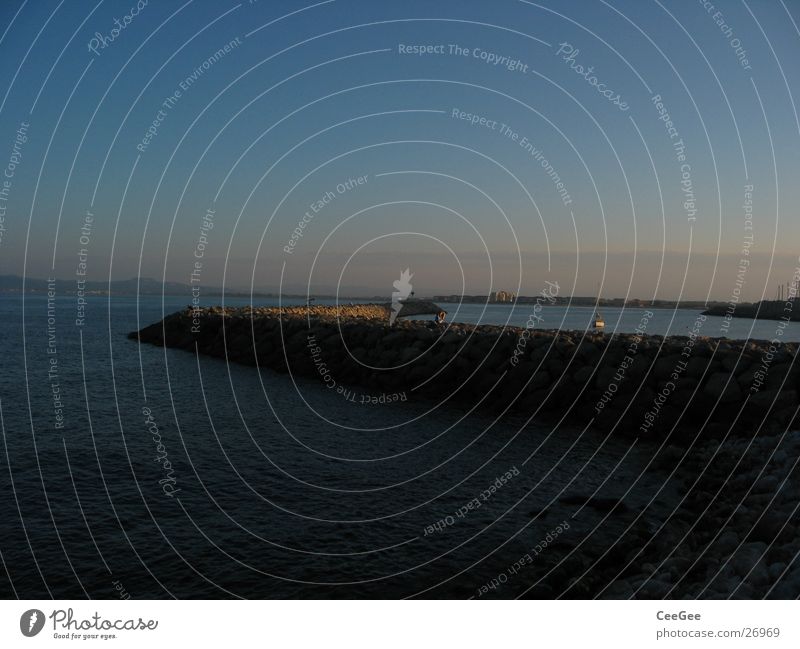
x,y
788,310
726,522
632,383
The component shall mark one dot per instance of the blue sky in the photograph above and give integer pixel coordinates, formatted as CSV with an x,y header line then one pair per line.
x,y
308,97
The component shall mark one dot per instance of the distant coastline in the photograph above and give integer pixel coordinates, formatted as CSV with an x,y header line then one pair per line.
x,y
16,285
583,300
787,310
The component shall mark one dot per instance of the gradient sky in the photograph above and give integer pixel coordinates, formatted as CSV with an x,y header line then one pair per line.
x,y
315,94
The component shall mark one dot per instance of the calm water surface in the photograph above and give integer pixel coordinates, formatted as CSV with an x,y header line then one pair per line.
x,y
282,488
665,322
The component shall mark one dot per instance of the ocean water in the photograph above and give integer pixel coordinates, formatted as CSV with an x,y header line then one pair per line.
x,y
152,472
665,322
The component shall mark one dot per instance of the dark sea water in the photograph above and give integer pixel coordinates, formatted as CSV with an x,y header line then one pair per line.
x,y
278,487
665,322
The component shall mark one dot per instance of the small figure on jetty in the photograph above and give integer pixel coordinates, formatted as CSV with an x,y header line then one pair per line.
x,y
439,318
598,323
402,290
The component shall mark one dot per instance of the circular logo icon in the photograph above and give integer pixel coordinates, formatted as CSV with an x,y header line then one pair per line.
x,y
31,622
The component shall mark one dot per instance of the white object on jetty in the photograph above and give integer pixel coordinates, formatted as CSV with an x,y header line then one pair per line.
x,y
598,323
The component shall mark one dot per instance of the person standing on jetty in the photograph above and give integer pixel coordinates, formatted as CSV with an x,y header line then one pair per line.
x,y
403,289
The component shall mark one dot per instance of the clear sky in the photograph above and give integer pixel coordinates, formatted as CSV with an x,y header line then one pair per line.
x,y
569,173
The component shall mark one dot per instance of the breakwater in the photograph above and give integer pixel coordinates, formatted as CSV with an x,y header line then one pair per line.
x,y
632,383
786,310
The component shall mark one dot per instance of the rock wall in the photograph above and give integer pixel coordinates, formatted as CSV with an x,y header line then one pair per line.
x,y
788,310
632,383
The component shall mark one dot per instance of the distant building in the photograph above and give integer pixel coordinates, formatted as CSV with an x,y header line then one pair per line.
x,y
504,296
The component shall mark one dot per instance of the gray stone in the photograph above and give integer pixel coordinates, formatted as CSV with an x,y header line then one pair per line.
x,y
583,375
723,388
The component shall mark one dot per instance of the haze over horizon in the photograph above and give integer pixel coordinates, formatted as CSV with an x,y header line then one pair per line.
x,y
428,279
476,151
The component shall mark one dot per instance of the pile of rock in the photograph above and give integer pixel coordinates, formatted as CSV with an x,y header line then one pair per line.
x,y
733,532
731,528
627,382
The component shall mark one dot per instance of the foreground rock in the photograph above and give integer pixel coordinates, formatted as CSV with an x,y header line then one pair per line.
x,y
725,523
732,531
633,384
